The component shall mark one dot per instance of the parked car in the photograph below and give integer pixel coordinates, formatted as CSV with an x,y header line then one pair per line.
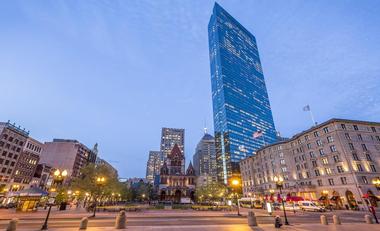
x,y
310,206
291,207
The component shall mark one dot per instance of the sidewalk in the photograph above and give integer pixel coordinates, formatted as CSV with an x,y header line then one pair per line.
x,y
9,214
314,227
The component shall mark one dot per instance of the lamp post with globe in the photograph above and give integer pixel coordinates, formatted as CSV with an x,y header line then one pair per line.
x,y
58,178
280,184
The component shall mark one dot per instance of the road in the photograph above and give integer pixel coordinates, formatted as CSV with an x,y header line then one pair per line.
x,y
70,219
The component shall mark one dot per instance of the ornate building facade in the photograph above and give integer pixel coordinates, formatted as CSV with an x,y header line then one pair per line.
x,y
175,184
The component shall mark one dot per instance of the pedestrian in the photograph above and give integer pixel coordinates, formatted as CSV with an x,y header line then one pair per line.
x,y
373,211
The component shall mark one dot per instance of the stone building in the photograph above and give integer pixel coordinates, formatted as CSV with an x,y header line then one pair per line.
x,y
12,141
70,155
176,185
27,164
334,162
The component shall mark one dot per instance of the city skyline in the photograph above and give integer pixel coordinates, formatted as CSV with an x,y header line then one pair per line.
x,y
87,88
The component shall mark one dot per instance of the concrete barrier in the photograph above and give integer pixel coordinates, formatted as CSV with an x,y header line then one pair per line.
x,y
252,219
324,220
336,220
12,226
83,223
121,220
368,219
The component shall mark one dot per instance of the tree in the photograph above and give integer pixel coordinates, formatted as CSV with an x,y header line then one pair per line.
x,y
211,192
87,183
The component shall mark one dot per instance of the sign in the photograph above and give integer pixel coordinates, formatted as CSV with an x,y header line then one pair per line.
x,y
51,200
185,200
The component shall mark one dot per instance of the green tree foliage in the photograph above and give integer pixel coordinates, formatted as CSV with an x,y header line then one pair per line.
x,y
211,192
87,181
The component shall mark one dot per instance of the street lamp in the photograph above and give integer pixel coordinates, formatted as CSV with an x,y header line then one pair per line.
x,y
100,181
236,183
376,182
280,184
58,179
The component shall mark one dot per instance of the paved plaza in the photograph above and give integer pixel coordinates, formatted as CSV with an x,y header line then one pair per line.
x,y
185,220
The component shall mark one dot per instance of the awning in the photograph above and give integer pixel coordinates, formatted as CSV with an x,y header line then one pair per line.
x,y
294,198
36,192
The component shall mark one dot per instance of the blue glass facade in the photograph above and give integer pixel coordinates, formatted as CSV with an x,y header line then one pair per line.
x,y
240,99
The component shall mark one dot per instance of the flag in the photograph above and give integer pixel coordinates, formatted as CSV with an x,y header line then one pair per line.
x,y
257,134
306,108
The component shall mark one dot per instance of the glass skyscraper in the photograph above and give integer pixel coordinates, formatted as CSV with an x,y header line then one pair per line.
x,y
240,100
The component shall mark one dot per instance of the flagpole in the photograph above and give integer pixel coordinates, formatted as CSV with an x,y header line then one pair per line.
x,y
264,139
312,117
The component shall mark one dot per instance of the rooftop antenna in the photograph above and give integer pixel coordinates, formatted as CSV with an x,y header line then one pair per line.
x,y
205,127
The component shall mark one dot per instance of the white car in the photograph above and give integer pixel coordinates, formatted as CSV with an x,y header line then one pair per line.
x,y
310,206
291,207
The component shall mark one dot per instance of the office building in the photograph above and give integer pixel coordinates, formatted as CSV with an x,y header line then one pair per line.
x,y
64,154
241,105
204,159
153,165
12,141
334,162
170,137
26,164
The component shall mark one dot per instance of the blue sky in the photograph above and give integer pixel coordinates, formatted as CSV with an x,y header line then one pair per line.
x,y
115,72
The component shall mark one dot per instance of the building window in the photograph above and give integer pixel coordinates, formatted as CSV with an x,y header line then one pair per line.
x,y
325,129
321,152
373,168
331,181
333,148
351,146
312,155
360,137
360,168
336,159
317,172
364,147
347,136
373,129
316,134
355,156
320,182
356,128
282,161
368,156
307,137
340,169
378,138
330,139
314,163
328,171
319,143
325,161
365,181
344,180
308,146
343,126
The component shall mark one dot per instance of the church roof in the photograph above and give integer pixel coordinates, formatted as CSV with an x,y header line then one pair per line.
x,y
190,169
176,152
